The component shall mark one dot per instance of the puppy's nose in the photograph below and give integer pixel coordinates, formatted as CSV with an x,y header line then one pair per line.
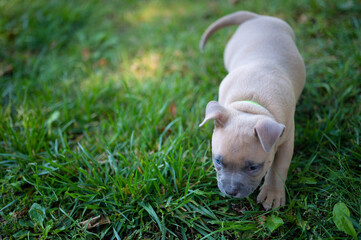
x,y
232,191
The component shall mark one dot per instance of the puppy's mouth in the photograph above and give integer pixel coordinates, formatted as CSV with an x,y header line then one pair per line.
x,y
238,195
235,192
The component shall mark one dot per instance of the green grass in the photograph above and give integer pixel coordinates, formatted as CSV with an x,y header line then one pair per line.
x,y
100,106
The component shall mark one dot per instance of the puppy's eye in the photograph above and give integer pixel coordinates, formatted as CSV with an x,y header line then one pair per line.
x,y
218,161
253,168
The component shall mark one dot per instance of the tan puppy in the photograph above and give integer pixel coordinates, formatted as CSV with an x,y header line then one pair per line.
x,y
254,118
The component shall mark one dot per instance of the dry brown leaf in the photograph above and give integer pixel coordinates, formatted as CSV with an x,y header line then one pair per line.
x,y
233,2
102,158
303,18
85,54
18,215
95,221
173,109
262,220
102,62
4,70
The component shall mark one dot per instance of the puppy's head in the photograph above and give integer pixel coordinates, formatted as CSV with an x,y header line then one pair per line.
x,y
243,148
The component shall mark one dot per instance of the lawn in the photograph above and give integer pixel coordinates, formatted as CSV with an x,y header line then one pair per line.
x,y
100,106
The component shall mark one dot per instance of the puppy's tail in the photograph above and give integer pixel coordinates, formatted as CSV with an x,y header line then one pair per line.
x,y
236,18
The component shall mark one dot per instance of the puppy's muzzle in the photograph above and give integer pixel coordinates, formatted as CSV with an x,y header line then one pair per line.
x,y
234,185
233,189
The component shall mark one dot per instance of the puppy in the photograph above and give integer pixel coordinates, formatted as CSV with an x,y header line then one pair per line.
x,y
254,116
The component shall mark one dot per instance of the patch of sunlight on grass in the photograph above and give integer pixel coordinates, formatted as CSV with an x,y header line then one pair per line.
x,y
154,10
100,80
148,65
140,67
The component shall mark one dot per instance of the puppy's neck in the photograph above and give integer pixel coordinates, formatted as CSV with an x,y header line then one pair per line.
x,y
251,107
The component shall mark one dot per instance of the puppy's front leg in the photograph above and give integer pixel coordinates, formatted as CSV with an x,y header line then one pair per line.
x,y
272,194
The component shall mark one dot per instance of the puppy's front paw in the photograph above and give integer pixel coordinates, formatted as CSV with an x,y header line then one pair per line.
x,y
272,197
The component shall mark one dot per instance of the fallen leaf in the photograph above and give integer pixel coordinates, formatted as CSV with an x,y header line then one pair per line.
x,y
274,222
341,215
173,109
85,54
6,70
102,62
37,214
95,221
18,215
303,18
233,2
262,220
102,158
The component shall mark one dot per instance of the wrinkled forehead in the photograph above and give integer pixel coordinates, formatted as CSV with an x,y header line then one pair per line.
x,y
231,138
237,147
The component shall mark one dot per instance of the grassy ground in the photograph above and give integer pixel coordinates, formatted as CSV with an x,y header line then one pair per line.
x,y
100,106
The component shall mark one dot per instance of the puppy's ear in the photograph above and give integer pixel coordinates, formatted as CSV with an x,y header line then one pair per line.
x,y
268,131
217,112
